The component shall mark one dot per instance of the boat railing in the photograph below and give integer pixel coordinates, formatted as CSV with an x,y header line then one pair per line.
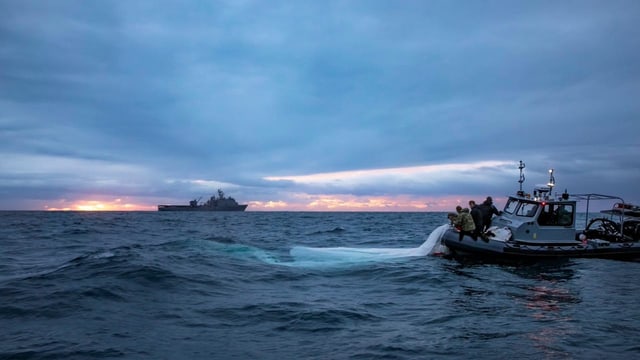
x,y
593,197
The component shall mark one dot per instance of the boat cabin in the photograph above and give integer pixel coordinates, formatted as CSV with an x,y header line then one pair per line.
x,y
539,219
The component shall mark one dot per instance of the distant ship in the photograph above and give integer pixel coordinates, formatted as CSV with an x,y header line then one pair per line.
x,y
221,203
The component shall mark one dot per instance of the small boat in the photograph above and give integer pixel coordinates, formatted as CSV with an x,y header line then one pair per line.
x,y
541,226
221,203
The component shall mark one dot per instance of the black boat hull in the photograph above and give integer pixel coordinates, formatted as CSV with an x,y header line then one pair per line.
x,y
513,250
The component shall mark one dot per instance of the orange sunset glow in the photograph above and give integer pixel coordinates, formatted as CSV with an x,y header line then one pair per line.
x,y
99,205
301,202
305,202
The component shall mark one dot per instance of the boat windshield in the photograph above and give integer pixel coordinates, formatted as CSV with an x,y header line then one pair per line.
x,y
511,206
521,208
527,209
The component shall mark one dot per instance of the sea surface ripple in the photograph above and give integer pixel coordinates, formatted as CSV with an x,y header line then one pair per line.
x,y
291,285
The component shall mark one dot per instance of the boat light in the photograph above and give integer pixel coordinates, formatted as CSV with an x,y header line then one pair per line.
x,y
552,180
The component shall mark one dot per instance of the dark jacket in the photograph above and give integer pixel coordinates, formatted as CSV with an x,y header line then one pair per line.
x,y
487,209
476,214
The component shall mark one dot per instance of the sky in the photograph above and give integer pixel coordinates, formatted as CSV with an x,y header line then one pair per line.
x,y
315,105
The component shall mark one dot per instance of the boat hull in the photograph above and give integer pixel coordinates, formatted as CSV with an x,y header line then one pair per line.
x,y
200,208
508,249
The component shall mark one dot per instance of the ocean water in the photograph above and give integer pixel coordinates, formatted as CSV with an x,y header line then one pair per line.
x,y
293,285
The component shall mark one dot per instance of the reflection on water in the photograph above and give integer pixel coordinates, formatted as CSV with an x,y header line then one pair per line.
x,y
549,301
551,270
540,294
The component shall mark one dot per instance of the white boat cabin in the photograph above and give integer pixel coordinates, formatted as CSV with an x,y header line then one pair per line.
x,y
538,220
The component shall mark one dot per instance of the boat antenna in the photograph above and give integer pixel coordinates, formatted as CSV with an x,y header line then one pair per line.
x,y
552,181
521,180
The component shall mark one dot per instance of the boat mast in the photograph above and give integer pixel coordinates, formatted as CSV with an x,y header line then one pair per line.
x,y
552,181
521,180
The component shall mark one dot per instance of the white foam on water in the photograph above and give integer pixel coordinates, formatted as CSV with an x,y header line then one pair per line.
x,y
102,255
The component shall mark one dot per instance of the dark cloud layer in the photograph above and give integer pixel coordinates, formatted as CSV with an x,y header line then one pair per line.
x,y
143,98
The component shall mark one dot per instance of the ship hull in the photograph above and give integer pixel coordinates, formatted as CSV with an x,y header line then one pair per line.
x,y
200,208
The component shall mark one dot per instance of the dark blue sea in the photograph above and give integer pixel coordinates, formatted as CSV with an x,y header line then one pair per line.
x,y
293,285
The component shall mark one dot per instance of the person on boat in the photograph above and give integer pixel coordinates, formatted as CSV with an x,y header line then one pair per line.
x,y
476,215
488,210
465,223
452,218
564,216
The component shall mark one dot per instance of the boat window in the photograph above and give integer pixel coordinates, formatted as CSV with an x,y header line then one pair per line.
x,y
557,215
527,209
565,214
511,206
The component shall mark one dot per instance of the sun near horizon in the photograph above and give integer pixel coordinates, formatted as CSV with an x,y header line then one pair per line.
x,y
100,205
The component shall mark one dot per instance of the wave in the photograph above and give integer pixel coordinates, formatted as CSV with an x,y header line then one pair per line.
x,y
335,230
48,352
293,316
221,239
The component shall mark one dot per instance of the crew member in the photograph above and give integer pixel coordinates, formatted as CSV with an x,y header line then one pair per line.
x,y
476,214
488,210
465,222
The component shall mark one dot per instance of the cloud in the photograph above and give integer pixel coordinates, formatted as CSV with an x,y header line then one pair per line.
x,y
386,181
334,98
